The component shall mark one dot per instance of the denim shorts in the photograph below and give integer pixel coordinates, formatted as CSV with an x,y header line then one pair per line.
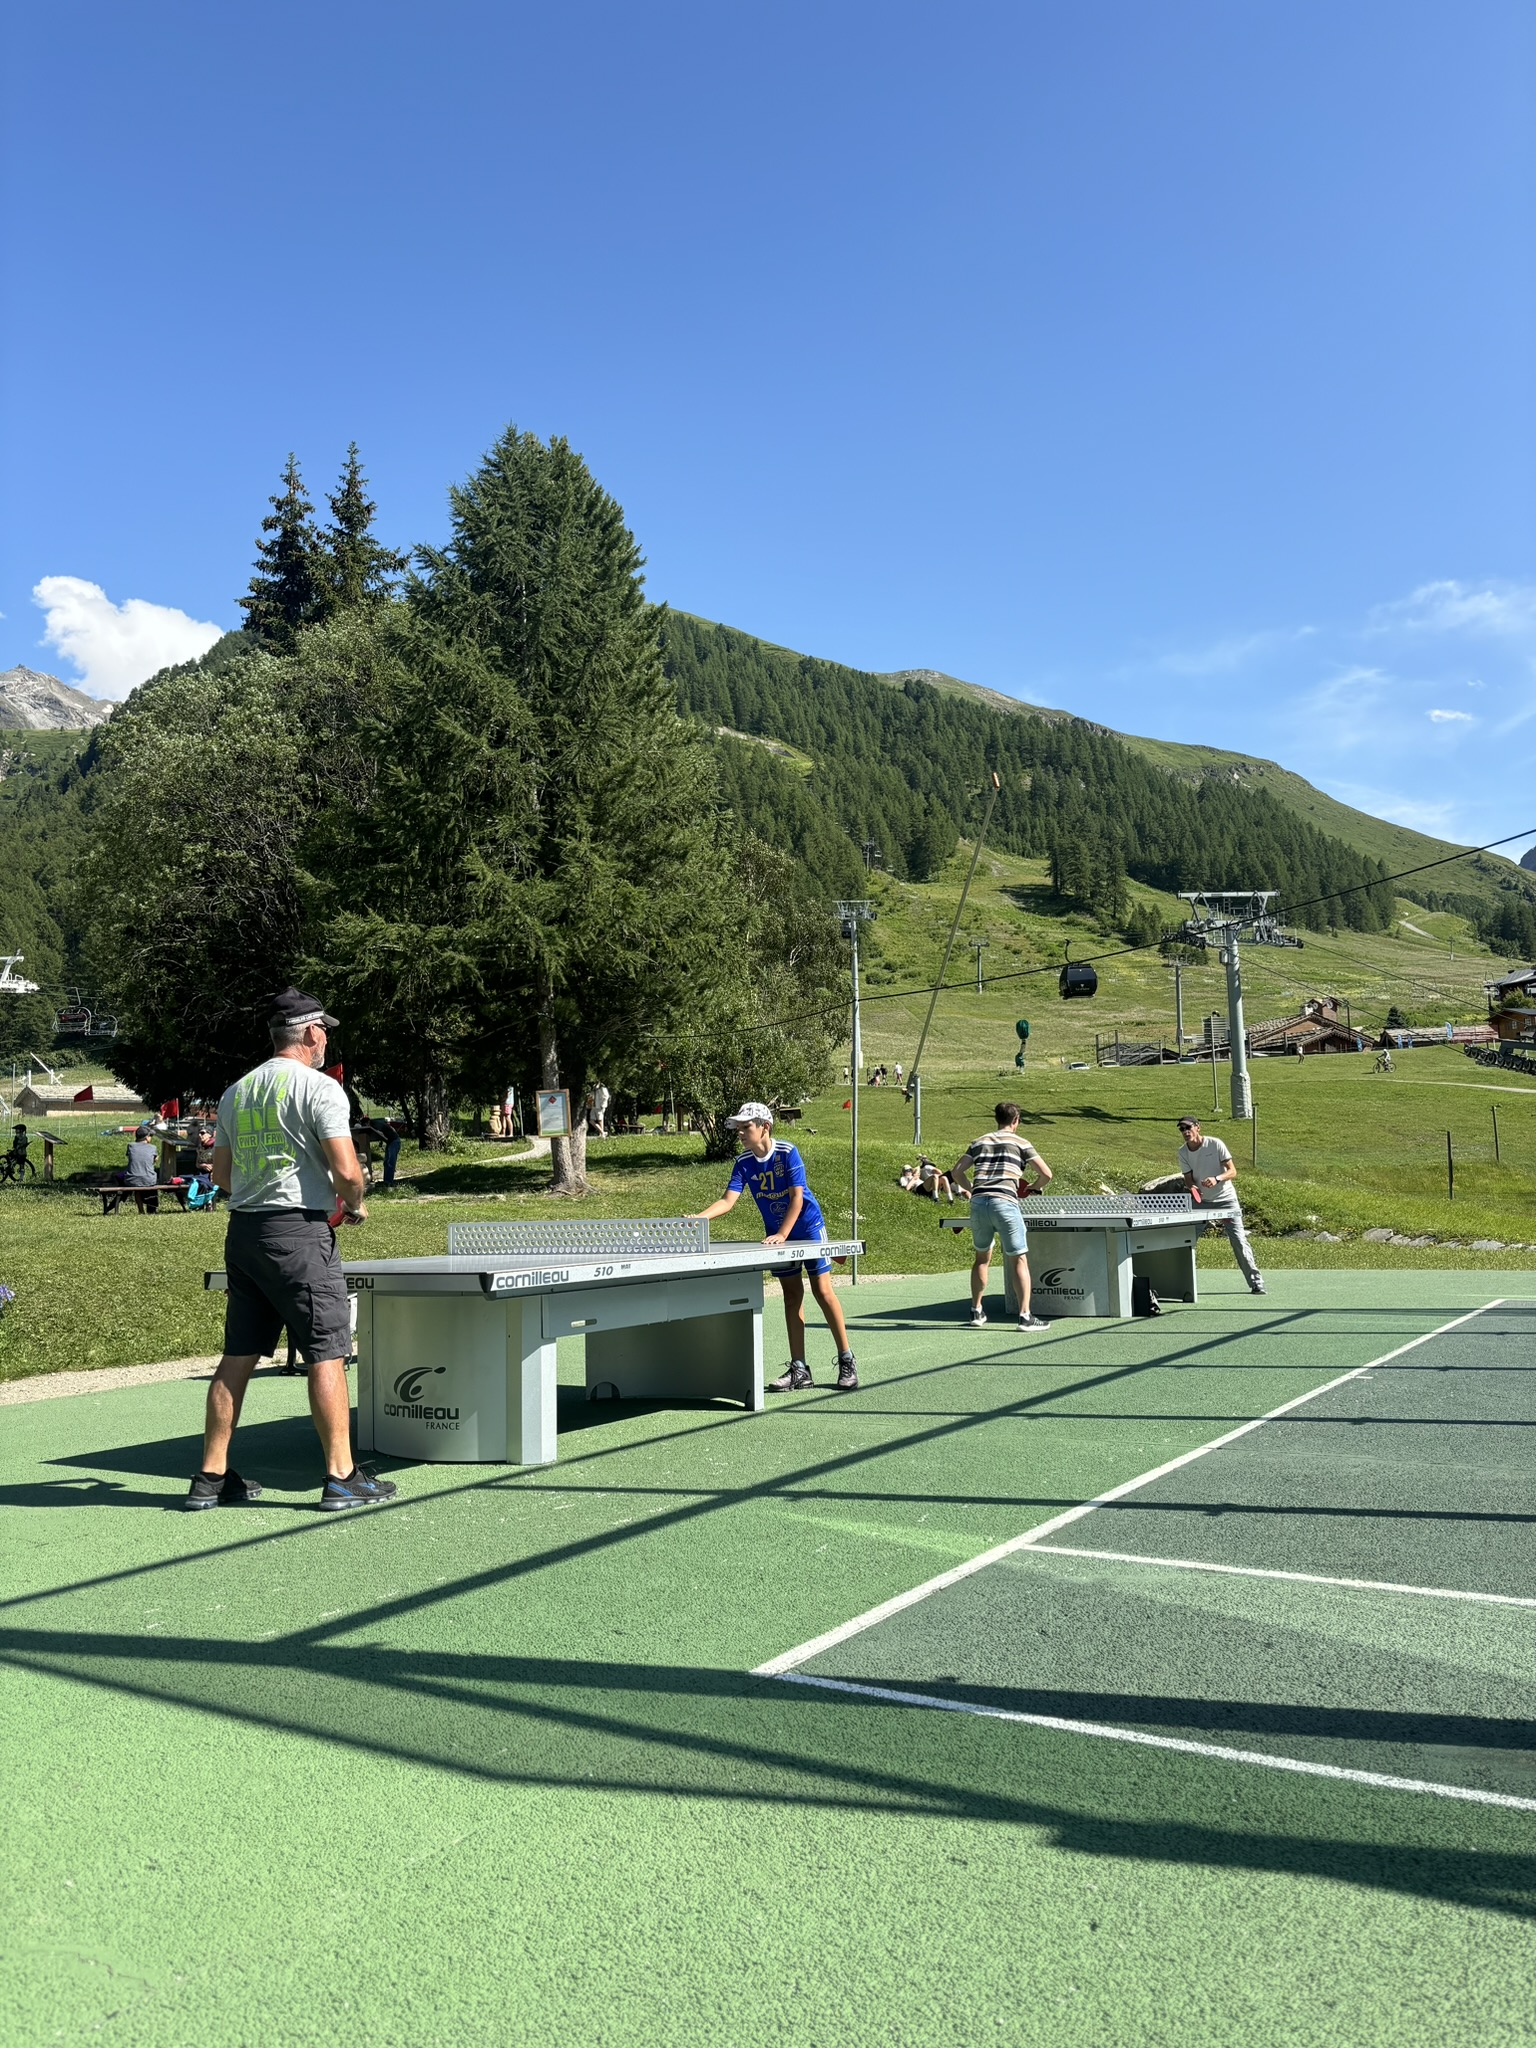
x,y
998,1216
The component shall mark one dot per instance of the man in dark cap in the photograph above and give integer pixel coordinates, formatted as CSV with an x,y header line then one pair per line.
x,y
283,1154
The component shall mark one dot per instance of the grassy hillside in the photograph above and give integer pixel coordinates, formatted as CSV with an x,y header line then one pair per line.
x,y
1432,975
1397,846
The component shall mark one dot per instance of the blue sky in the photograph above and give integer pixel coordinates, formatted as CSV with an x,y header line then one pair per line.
x,y
1172,364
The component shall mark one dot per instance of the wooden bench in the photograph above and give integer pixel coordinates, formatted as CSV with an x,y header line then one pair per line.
x,y
113,1198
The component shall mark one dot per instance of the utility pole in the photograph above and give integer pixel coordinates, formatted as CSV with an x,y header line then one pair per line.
x,y
1227,915
1178,1003
1242,1091
854,913
915,1074
872,856
978,947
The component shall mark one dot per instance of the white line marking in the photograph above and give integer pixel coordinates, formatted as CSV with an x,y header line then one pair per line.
x,y
1380,1779
1254,1571
777,1667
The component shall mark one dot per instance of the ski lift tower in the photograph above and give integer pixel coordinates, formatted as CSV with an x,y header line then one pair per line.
x,y
12,983
1225,916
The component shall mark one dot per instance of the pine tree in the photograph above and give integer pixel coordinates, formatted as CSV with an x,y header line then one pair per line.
x,y
361,567
622,921
291,586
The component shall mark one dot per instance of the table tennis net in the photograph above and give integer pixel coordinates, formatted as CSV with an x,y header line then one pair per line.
x,y
579,1237
1041,1206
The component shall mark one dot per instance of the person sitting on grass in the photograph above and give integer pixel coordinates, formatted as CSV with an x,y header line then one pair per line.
x,y
774,1175
925,1179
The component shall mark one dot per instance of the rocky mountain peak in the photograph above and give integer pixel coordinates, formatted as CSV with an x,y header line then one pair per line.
x,y
33,702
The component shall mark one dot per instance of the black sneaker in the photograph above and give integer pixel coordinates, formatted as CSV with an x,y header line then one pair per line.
x,y
360,1489
797,1374
221,1490
1033,1322
847,1373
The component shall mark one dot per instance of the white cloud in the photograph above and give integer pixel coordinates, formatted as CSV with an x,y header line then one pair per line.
x,y
1505,610
1449,717
116,647
1439,818
1226,657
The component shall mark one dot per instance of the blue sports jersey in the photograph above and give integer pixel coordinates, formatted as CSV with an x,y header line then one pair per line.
x,y
769,1182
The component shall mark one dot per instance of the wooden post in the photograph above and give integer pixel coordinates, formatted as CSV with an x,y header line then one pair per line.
x,y
1496,1137
1450,1171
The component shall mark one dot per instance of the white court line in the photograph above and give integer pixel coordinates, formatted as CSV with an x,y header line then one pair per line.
x,y
780,1666
1256,1571
1379,1779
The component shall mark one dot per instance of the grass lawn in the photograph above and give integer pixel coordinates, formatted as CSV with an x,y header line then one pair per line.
x,y
1340,1150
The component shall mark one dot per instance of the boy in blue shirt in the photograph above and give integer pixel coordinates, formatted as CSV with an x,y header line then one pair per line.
x,y
774,1176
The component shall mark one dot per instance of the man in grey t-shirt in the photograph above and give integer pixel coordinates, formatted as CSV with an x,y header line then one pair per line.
x,y
283,1154
1209,1174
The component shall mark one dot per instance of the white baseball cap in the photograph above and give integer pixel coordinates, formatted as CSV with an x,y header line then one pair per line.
x,y
751,1113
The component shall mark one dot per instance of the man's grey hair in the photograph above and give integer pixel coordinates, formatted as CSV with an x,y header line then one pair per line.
x,y
286,1033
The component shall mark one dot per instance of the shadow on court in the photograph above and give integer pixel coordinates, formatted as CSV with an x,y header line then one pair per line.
x,y
674,1731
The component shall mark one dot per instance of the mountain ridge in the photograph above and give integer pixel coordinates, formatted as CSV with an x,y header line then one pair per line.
x,y
1399,847
32,701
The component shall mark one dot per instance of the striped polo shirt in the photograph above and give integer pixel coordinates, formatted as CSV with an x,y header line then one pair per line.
x,y
995,1164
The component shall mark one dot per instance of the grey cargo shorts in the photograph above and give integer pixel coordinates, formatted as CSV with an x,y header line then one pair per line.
x,y
283,1273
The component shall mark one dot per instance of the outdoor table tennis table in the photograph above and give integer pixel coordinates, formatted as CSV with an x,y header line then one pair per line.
x,y
1085,1250
456,1355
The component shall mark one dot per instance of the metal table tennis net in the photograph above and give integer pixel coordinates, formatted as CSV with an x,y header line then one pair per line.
x,y
579,1237
1041,1207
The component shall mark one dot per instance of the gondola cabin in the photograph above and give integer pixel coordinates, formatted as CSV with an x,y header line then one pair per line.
x,y
1078,979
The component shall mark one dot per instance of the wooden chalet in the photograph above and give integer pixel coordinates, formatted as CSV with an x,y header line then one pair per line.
x,y
1320,1025
1512,1006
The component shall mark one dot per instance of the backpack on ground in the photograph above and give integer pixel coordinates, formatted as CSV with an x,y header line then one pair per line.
x,y
1143,1301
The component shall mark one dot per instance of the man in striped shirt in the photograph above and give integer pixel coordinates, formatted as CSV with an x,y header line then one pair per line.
x,y
995,1171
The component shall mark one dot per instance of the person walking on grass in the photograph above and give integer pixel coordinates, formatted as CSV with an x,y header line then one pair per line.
x,y
283,1154
774,1176
994,1171
1211,1178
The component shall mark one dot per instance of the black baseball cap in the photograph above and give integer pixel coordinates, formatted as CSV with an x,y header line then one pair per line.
x,y
296,1008
1188,1123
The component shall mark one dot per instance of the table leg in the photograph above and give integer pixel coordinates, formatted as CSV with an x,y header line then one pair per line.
x,y
531,1386
362,1308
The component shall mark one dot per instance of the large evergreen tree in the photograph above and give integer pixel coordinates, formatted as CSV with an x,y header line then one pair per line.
x,y
619,931
361,568
291,586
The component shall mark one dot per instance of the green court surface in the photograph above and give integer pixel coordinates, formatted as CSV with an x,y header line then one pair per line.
x,y
499,1763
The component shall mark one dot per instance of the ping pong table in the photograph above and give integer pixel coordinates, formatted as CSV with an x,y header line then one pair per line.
x,y
456,1355
1085,1251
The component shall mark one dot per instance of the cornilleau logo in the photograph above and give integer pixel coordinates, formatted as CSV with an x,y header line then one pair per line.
x,y
408,1404
1054,1282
